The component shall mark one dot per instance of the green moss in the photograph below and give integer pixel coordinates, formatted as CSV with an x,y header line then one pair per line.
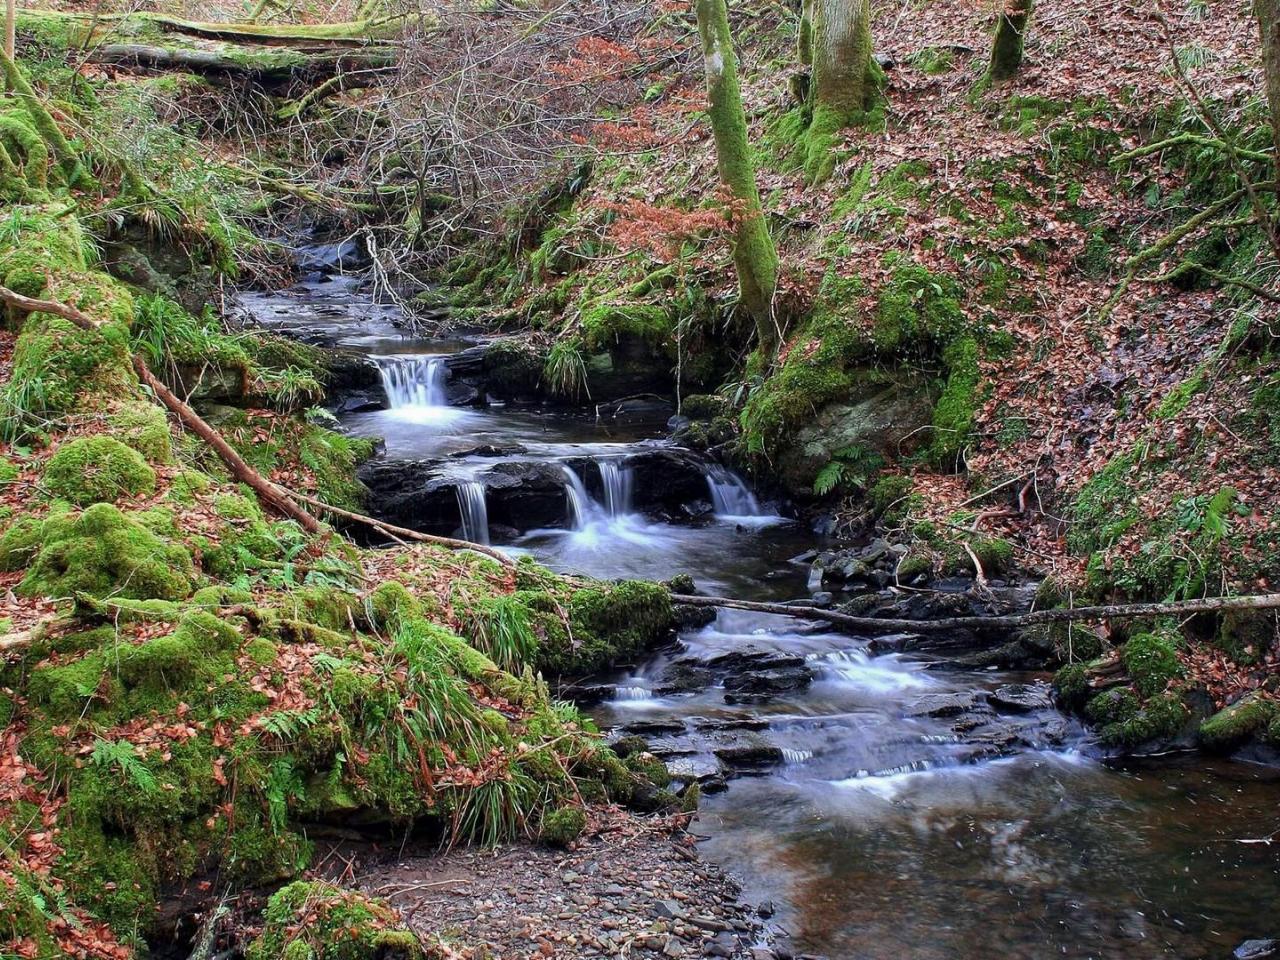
x,y
1232,726
958,405
145,428
1152,660
1104,507
103,553
20,542
98,469
608,324
390,606
1071,684
917,311
1159,718
561,827
314,920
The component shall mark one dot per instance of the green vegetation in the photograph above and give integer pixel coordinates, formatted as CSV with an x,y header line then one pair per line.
x,y
313,920
93,469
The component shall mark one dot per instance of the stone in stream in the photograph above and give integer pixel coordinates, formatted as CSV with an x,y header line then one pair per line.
x,y
1021,697
944,705
1256,949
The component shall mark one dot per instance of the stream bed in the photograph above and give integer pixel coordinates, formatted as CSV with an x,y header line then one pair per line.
x,y
879,804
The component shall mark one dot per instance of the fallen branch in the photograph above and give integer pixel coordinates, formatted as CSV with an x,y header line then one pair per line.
x,y
266,490
1121,611
404,533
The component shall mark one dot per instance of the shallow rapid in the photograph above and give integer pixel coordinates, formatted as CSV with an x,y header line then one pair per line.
x,y
886,805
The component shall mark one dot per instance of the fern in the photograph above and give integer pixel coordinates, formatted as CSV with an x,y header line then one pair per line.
x,y
283,785
828,478
287,724
121,755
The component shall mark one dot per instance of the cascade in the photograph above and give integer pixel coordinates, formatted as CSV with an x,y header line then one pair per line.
x,y
474,510
581,507
618,482
413,381
729,494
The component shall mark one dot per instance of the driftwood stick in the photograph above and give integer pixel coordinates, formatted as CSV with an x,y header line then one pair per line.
x,y
1120,611
267,491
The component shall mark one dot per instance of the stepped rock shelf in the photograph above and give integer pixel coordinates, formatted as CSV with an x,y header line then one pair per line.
x,y
859,788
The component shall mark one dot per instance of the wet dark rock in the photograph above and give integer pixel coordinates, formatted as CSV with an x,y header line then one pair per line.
x,y
646,728
943,704
752,755
1021,697
325,258
755,686
737,723
822,599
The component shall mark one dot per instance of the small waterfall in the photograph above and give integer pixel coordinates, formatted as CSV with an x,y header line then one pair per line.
x,y
632,693
474,510
731,497
796,756
618,482
412,381
580,505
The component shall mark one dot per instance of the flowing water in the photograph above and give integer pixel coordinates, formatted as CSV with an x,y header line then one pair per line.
x,y
886,810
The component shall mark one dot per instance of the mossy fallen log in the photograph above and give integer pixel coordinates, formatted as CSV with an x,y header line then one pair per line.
x,y
79,27
267,65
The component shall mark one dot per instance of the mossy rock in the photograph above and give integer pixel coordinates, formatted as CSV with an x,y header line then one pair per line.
x,y
314,920
145,428
561,827
1160,719
102,553
1244,635
1152,660
1234,725
20,542
98,470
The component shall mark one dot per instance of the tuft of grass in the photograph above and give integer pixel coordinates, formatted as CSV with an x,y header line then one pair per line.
x,y
564,373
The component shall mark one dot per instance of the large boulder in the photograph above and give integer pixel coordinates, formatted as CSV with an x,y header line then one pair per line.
x,y
888,419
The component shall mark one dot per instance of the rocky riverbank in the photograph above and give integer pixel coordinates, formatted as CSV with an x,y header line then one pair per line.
x,y
629,887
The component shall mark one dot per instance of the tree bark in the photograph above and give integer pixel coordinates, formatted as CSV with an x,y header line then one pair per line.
x,y
266,65
754,254
1120,611
844,78
1268,13
1006,49
10,28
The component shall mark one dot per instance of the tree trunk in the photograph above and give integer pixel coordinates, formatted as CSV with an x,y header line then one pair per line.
x,y
844,77
1268,12
754,255
10,28
1006,50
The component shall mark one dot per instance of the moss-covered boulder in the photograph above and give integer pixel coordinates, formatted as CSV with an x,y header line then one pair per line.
x,y
1151,660
561,827
97,470
1236,724
879,419
314,920
144,427
103,553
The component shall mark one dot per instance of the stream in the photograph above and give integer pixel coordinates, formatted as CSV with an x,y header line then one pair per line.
x,y
881,804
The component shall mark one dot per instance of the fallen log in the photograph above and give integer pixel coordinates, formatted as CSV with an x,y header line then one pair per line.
x,y
93,27
265,65
1119,611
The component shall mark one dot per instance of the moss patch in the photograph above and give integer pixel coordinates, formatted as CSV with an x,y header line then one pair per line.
x,y
98,469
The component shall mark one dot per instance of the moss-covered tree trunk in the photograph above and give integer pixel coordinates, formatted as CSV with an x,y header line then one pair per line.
x,y
844,77
1006,49
10,28
1268,12
754,255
